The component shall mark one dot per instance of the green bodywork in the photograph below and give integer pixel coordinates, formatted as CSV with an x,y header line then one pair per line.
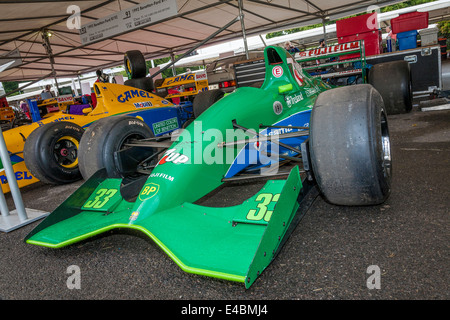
x,y
235,243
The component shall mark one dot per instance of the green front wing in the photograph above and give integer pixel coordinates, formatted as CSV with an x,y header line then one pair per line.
x,y
233,243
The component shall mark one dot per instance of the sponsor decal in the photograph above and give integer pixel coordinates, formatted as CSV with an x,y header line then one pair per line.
x,y
277,107
277,71
20,175
310,91
127,95
145,104
200,76
276,132
161,175
149,191
165,125
64,98
184,77
40,123
349,46
135,122
174,157
293,99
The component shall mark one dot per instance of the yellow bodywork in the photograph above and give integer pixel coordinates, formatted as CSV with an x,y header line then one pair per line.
x,y
112,99
198,81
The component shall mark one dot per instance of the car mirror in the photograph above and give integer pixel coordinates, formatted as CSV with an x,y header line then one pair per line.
x,y
87,110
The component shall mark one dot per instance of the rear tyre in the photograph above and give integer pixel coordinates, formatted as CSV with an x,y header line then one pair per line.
x,y
205,99
393,81
106,137
140,83
134,63
350,147
51,152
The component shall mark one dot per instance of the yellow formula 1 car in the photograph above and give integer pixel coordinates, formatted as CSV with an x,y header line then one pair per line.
x,y
47,150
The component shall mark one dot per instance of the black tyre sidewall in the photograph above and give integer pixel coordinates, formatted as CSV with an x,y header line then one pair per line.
x,y
205,99
346,146
39,156
90,155
119,133
137,64
104,138
393,81
141,83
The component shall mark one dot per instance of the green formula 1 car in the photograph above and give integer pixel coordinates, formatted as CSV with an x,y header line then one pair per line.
x,y
338,137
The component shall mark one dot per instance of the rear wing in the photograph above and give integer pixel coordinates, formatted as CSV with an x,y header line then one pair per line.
x,y
59,102
183,85
327,57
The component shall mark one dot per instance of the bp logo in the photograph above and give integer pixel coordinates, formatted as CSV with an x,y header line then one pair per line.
x,y
149,191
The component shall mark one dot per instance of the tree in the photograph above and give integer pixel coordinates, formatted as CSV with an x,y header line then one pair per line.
x,y
9,86
444,30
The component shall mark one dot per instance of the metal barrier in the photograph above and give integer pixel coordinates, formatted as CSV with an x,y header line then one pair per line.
x,y
20,217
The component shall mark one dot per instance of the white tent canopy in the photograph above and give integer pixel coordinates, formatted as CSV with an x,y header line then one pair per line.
x,y
438,10
22,24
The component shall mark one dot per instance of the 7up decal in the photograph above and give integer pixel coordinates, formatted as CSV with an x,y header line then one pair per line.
x,y
172,156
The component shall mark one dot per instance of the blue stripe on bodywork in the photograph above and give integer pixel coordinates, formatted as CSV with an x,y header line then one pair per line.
x,y
251,158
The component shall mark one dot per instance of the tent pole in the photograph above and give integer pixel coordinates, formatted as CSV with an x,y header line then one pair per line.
x,y
244,36
174,69
324,31
46,43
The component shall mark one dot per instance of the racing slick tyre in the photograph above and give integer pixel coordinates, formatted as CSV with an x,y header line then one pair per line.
x,y
134,63
141,83
106,137
51,152
393,81
205,99
350,146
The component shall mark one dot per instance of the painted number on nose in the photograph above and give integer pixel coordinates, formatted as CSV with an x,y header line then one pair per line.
x,y
262,212
101,198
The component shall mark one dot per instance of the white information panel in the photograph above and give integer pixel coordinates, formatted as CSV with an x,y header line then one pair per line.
x,y
132,18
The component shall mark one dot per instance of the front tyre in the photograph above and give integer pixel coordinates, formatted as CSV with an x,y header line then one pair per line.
x,y
350,146
106,137
51,152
